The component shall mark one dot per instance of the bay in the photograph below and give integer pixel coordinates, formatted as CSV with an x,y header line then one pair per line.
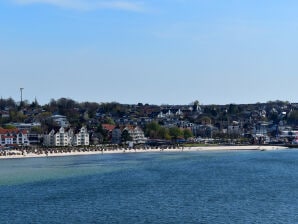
x,y
180,187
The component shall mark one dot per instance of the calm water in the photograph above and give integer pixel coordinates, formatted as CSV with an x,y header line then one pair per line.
x,y
189,187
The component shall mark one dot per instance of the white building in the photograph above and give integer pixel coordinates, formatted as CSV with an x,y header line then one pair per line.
x,y
57,138
26,126
14,137
136,134
81,138
60,120
66,138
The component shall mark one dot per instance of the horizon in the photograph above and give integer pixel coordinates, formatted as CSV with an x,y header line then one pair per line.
x,y
155,52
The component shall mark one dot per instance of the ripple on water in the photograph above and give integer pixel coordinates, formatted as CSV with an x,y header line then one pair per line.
x,y
196,187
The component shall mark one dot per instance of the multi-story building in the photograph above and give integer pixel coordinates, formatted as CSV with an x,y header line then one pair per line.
x,y
63,137
81,138
60,137
33,136
13,137
116,135
136,134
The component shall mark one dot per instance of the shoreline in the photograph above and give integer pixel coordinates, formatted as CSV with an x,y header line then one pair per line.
x,y
19,155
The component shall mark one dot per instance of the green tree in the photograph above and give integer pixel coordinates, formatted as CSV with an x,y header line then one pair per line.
x,y
152,130
293,117
163,133
17,116
109,120
205,120
187,133
9,126
125,136
36,130
102,133
195,105
175,133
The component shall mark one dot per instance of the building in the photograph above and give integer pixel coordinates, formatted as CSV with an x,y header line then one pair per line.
x,y
116,136
60,137
136,134
4,114
13,137
60,120
81,138
64,137
109,129
26,126
33,136
234,130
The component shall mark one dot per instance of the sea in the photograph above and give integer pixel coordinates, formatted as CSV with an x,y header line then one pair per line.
x,y
163,187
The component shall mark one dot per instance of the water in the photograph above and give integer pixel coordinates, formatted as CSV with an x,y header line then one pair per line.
x,y
184,187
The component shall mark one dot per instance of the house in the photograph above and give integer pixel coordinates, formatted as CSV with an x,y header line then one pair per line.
x,y
60,120
203,130
34,137
136,134
261,129
235,128
4,114
179,112
109,129
116,136
14,137
26,126
165,113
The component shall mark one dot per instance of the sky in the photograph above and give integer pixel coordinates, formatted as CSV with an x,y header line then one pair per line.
x,y
149,51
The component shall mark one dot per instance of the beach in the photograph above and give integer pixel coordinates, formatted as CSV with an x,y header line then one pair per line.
x,y
18,154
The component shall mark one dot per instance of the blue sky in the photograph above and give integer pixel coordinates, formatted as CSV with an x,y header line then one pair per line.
x,y
157,51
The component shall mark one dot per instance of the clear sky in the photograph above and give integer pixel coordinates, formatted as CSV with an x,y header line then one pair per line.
x,y
149,51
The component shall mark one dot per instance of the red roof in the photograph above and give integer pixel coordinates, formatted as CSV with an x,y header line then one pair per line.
x,y
108,127
4,131
8,137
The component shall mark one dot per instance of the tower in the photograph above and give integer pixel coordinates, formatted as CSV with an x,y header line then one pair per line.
x,y
21,90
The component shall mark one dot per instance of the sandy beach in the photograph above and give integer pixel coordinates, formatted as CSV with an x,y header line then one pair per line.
x,y
15,154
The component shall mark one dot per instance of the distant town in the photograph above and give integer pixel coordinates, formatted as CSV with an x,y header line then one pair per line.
x,y
65,122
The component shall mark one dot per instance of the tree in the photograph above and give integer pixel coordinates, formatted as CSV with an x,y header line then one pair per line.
x,y
152,129
293,117
34,104
108,120
36,130
233,109
125,136
9,126
17,116
10,103
163,133
102,134
187,133
205,120
175,133
195,105
91,108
